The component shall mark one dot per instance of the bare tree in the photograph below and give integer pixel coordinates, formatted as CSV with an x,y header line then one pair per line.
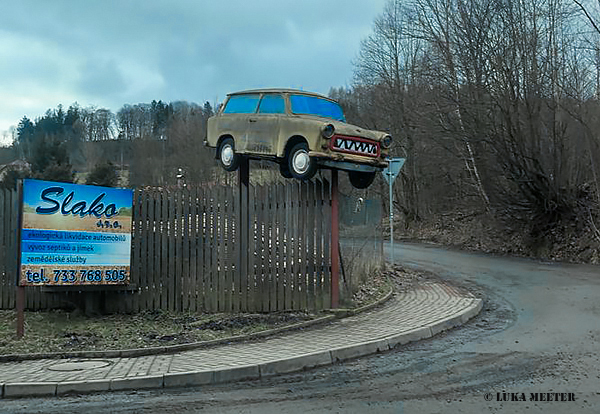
x,y
507,89
386,73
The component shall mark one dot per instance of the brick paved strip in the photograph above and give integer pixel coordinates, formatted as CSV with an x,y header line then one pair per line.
x,y
409,316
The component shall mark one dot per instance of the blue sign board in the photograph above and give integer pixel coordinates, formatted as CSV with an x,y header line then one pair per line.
x,y
75,234
393,168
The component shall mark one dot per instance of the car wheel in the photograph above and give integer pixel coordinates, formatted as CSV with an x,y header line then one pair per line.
x,y
360,179
283,169
228,159
299,164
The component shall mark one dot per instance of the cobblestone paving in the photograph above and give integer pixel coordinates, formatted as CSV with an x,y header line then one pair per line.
x,y
406,311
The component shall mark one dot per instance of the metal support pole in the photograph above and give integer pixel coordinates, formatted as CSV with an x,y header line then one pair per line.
x,y
335,241
390,173
391,224
244,227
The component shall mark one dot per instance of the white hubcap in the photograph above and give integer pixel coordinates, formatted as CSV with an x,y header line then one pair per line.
x,y
301,161
227,154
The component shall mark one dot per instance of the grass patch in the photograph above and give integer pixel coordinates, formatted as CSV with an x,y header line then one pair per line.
x,y
60,331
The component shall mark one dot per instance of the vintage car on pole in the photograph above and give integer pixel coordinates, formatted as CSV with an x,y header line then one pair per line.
x,y
301,131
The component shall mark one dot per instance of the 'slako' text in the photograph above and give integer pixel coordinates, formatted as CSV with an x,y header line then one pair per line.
x,y
68,206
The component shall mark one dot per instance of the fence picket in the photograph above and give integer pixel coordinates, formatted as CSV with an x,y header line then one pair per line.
x,y
156,251
279,240
5,273
318,260
272,245
193,288
186,253
221,248
310,246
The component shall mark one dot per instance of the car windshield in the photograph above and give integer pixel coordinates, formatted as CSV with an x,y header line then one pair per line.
x,y
313,105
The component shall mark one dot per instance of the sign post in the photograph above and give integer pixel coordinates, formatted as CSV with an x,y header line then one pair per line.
x,y
390,173
20,299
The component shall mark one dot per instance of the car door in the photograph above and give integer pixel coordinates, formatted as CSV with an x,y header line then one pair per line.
x,y
236,116
263,127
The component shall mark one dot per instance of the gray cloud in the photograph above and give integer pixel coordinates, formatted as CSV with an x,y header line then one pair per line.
x,y
114,52
101,79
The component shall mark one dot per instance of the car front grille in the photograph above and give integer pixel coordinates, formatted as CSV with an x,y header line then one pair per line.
x,y
355,145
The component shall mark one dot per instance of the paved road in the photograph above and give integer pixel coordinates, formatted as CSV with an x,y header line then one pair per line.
x,y
539,333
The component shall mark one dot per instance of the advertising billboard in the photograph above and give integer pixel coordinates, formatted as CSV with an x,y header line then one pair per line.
x,y
75,234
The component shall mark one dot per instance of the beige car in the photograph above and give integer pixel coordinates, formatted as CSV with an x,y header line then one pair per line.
x,y
302,131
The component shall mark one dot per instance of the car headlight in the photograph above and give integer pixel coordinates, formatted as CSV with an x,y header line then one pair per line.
x,y
328,130
386,142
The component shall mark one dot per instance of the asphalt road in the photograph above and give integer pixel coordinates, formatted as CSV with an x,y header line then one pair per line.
x,y
537,336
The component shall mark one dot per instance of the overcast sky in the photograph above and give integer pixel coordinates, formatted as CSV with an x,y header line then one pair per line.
x,y
108,53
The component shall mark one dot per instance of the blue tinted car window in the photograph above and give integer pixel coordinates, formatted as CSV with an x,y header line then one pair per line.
x,y
312,105
272,104
241,104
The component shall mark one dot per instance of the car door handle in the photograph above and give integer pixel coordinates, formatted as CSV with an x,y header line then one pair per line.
x,y
252,119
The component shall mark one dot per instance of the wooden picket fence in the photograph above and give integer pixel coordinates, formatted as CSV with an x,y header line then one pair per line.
x,y
8,248
213,249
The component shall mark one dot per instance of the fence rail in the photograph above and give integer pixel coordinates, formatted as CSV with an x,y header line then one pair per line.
x,y
187,252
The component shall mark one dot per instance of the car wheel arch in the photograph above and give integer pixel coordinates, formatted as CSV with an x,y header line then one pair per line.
x,y
220,141
293,140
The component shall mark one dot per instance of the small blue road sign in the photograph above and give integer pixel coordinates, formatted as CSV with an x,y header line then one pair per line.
x,y
391,172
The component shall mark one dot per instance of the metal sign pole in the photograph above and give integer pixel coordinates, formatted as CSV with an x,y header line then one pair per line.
x,y
391,221
390,174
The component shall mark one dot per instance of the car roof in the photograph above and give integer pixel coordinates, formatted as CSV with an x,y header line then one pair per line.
x,y
279,90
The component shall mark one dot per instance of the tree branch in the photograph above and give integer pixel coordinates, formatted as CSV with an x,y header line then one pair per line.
x,y
588,15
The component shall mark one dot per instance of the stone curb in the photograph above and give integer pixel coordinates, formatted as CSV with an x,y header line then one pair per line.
x,y
238,373
131,353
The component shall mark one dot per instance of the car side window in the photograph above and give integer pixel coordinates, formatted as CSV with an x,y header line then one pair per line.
x,y
272,104
242,104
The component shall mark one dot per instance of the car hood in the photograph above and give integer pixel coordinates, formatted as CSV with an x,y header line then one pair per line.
x,y
342,128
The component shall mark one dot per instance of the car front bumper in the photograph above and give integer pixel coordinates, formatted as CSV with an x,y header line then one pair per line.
x,y
348,162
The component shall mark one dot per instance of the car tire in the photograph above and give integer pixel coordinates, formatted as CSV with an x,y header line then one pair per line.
x,y
361,180
284,171
229,160
299,164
